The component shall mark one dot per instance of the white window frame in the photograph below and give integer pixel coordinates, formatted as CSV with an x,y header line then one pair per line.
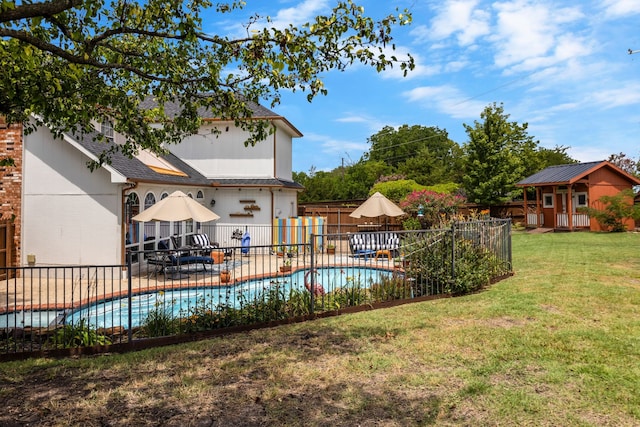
x,y
577,203
544,200
106,128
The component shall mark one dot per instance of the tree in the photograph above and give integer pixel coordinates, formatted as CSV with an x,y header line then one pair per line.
x,y
552,157
424,154
396,190
496,157
74,62
625,163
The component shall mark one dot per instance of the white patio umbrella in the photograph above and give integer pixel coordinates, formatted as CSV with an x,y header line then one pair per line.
x,y
176,207
375,206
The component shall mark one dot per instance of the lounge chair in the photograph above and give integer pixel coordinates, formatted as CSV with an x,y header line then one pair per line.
x,y
202,243
163,259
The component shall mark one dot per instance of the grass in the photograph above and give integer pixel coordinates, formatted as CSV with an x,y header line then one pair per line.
x,y
556,344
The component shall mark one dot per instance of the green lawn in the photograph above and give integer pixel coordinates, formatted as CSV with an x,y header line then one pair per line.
x,y
557,344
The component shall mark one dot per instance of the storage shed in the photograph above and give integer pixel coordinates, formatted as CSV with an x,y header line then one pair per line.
x,y
561,190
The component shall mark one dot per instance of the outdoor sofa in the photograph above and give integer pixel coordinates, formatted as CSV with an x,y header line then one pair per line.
x,y
364,244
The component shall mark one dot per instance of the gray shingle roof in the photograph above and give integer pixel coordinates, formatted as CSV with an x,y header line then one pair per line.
x,y
256,182
560,174
173,108
135,170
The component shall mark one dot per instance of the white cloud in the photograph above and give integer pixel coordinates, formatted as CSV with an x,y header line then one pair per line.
x,y
447,100
331,145
459,17
299,14
352,119
625,94
621,8
531,35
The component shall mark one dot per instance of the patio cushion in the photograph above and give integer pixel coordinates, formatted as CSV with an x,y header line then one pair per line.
x,y
202,241
374,242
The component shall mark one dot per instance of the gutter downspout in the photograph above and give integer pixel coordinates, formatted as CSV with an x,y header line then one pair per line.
x,y
123,226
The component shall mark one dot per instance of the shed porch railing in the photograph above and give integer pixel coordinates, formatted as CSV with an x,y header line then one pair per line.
x,y
578,220
532,219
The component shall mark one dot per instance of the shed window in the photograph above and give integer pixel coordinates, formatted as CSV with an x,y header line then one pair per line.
x,y
580,200
547,200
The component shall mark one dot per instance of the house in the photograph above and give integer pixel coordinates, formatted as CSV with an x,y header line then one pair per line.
x,y
561,190
65,214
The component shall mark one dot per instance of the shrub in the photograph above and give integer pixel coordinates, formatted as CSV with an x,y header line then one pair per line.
x,y
615,209
435,208
392,287
396,190
160,322
432,262
78,335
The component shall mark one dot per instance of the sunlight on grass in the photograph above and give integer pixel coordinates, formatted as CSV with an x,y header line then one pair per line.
x,y
556,344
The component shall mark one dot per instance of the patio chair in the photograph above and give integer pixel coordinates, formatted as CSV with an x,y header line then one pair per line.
x,y
159,259
201,241
205,246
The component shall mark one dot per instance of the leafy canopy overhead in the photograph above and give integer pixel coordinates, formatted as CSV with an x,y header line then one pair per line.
x,y
71,62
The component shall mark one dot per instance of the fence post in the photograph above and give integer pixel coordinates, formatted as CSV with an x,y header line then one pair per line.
x,y
129,296
508,237
313,276
453,252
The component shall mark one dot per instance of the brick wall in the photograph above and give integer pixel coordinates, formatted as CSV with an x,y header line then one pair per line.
x,y
11,182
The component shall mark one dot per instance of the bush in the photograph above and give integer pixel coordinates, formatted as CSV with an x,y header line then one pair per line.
x,y
78,335
396,190
614,211
160,322
393,287
432,264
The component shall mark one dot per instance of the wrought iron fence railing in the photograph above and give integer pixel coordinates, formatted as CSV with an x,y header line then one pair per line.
x,y
171,292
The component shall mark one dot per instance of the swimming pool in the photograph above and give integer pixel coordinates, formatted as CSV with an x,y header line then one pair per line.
x,y
180,302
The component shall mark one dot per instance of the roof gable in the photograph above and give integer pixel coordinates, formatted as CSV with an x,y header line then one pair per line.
x,y
135,170
172,109
570,173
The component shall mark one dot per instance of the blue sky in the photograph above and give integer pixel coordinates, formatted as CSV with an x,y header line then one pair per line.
x,y
560,66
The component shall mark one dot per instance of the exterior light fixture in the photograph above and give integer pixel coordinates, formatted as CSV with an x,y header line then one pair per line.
x,y
420,210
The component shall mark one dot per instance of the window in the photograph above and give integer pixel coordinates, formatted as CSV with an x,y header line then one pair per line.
x,y
106,128
547,200
158,164
149,200
580,200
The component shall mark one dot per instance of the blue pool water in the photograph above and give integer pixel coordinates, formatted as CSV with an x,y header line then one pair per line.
x,y
181,302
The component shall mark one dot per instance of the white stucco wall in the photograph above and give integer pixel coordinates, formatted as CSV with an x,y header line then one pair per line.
x,y
220,157
70,215
284,149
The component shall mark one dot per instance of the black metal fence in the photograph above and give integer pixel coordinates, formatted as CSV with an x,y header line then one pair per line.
x,y
169,293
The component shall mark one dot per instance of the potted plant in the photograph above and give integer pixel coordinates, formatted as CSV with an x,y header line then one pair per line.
x,y
293,251
225,274
286,266
331,248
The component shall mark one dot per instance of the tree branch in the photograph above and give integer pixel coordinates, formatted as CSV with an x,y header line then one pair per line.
x,y
26,11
